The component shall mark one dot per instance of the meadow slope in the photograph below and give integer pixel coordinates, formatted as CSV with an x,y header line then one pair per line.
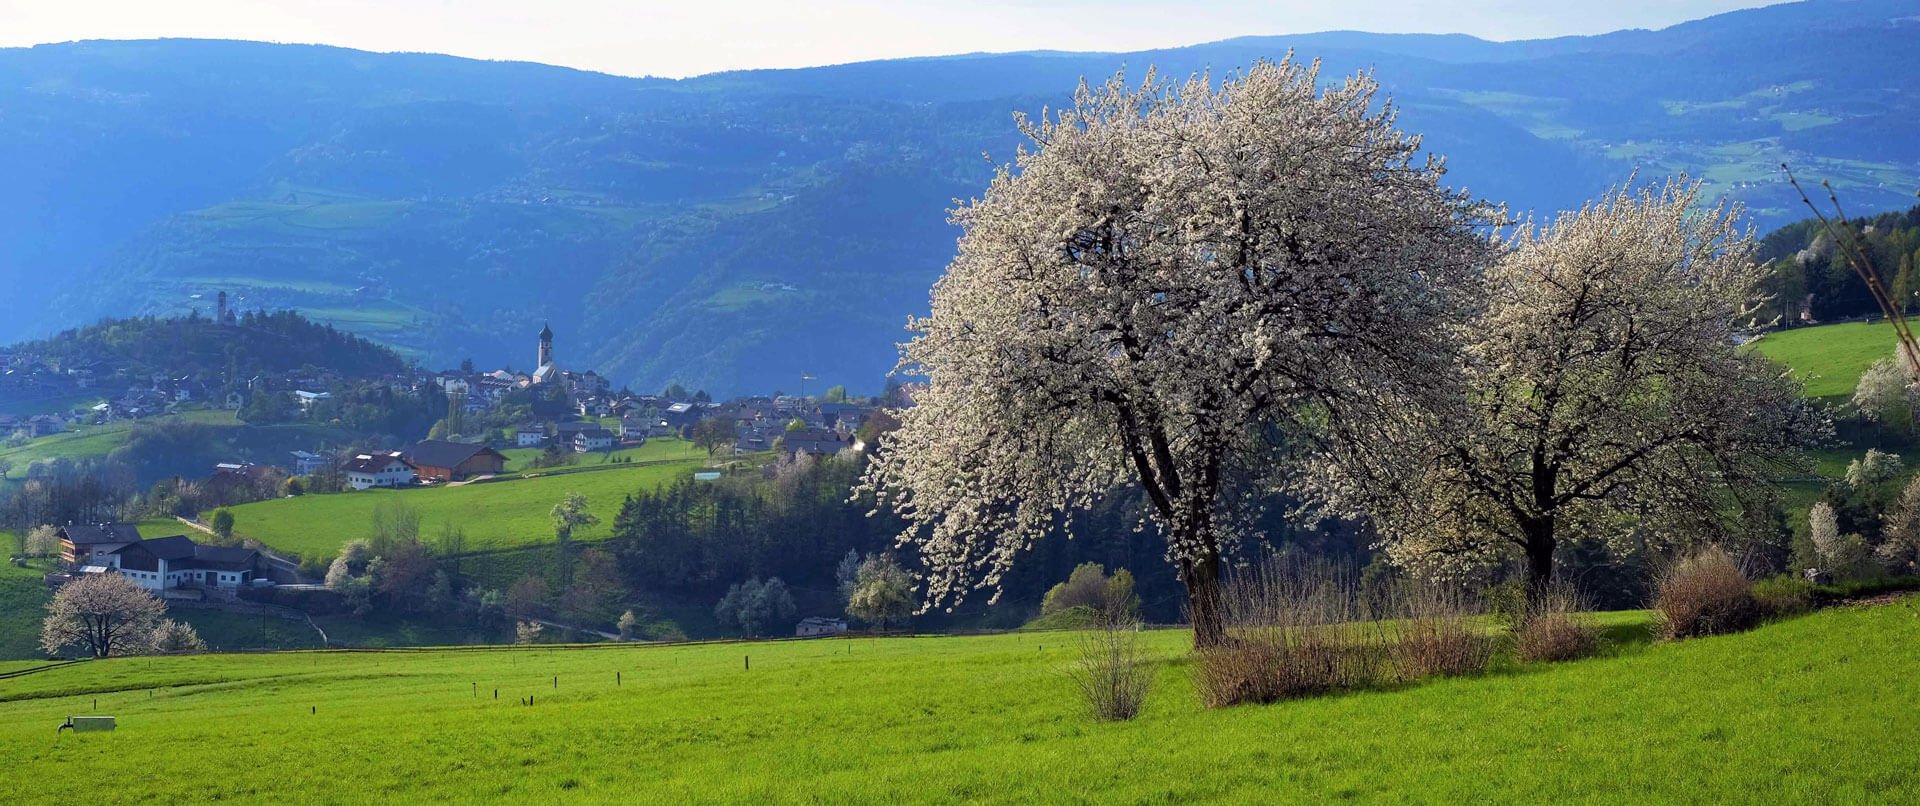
x,y
1814,709
500,514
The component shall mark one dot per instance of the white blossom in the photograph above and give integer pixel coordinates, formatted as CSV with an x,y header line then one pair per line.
x,y
1174,287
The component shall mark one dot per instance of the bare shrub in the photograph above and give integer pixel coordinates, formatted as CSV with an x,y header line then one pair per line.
x,y
1437,632
1113,674
1291,632
1704,594
1552,630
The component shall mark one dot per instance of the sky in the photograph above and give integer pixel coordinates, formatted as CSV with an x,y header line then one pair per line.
x,y
681,38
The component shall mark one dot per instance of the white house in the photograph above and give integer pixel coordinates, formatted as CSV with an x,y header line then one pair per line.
x,y
308,399
592,439
531,436
379,470
815,626
307,463
171,562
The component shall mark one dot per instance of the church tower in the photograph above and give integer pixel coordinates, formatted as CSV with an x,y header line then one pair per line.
x,y
546,347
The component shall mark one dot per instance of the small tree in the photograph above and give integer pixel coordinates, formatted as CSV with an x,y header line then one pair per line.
x,y
752,606
223,524
42,541
527,598
714,433
627,624
527,632
175,638
570,514
105,615
882,592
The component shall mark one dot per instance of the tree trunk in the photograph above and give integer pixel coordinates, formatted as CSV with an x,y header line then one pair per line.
x,y
1204,601
1539,548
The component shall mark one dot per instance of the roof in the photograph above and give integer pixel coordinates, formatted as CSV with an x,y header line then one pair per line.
x,y
374,463
89,535
546,332
170,548
223,558
441,453
181,552
574,427
594,433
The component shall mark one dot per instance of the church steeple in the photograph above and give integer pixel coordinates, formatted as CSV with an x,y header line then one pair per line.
x,y
546,346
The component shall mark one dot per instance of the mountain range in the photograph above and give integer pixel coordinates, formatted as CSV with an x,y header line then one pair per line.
x,y
734,231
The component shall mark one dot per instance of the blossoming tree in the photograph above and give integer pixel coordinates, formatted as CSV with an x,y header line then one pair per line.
x,y
1176,285
1606,393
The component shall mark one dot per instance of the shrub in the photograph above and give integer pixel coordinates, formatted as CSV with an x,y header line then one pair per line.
x,y
1291,634
174,638
1552,631
1436,633
1112,674
1783,595
1704,594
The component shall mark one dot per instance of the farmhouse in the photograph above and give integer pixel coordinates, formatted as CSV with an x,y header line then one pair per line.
x,y
370,470
529,436
307,463
815,626
86,545
592,439
441,460
172,562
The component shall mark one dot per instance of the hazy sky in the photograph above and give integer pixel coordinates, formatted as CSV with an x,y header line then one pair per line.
x,y
679,38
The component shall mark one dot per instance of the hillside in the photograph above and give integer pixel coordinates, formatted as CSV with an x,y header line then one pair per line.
x,y
735,230
494,515
1771,715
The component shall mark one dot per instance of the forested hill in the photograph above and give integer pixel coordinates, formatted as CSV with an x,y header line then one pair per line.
x,y
736,230
1806,267
199,348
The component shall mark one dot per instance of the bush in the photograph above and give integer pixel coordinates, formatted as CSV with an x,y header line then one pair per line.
x,y
1436,633
1291,634
1112,674
1704,594
1783,595
1552,631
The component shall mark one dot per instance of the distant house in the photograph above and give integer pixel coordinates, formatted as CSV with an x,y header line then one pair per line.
x,y
680,415
45,425
369,470
308,399
87,544
815,441
637,428
307,463
816,626
592,439
171,562
529,436
441,460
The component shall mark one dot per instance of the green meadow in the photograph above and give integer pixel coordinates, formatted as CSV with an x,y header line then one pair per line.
x,y
498,514
659,449
1815,709
1829,359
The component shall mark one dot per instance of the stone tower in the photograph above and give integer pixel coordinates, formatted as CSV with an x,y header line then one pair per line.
x,y
546,346
220,309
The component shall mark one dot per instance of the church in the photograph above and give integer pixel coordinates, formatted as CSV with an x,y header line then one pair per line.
x,y
547,372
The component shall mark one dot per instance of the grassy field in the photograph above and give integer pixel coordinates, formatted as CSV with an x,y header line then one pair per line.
x,y
1816,709
1830,358
23,601
520,460
100,440
494,515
